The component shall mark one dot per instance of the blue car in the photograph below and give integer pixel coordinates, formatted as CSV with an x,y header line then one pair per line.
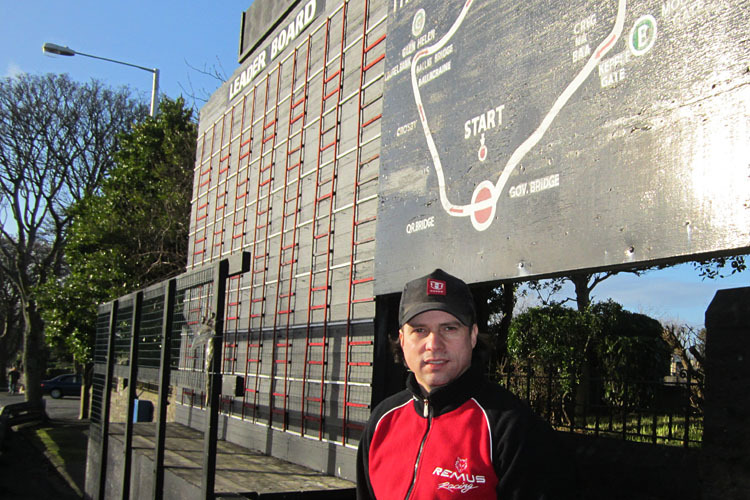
x,y
63,385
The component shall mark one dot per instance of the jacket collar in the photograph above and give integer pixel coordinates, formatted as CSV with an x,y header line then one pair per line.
x,y
448,397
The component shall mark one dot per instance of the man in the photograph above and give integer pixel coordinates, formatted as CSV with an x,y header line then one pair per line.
x,y
13,376
451,433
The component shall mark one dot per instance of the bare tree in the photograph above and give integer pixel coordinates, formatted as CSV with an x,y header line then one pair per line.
x,y
57,137
10,319
198,96
583,286
500,303
688,344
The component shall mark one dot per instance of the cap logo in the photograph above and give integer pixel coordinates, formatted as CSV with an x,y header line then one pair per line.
x,y
436,287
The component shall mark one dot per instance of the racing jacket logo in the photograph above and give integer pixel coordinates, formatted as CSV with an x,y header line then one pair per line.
x,y
459,479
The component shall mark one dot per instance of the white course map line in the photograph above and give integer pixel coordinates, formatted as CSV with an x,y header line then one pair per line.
x,y
495,190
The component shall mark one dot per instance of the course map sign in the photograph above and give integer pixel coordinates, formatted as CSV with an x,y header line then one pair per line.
x,y
533,138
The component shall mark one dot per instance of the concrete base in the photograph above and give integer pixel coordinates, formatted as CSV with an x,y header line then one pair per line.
x,y
321,456
240,472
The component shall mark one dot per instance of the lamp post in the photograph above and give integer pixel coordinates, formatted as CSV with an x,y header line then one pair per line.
x,y
53,48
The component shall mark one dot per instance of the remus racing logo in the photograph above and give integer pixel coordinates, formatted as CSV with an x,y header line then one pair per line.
x,y
459,479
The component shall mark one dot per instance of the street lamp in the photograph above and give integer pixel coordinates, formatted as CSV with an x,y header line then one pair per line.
x,y
53,48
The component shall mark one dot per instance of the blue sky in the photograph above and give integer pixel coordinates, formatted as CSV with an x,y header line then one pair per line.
x,y
166,34
674,295
175,35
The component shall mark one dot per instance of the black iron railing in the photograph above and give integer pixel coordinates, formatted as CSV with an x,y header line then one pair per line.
x,y
666,411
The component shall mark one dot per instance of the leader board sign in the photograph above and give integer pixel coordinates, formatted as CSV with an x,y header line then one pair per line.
x,y
532,138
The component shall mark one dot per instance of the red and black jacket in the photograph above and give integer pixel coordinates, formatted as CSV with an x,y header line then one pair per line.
x,y
469,439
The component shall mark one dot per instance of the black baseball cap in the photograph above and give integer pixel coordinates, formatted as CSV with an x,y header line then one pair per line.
x,y
437,291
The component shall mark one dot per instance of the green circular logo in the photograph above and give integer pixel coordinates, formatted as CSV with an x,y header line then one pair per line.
x,y
417,25
643,35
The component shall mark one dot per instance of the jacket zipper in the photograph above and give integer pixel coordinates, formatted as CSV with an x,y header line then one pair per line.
x,y
426,414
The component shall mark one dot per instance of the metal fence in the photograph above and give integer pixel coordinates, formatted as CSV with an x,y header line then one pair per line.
x,y
142,337
173,336
667,411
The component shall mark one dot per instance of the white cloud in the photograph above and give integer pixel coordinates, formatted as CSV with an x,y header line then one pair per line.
x,y
13,70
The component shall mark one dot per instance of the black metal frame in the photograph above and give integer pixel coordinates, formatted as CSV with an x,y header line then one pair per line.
x,y
164,370
217,275
106,397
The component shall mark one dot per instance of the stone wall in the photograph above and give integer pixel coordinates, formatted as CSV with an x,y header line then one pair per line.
x,y
119,401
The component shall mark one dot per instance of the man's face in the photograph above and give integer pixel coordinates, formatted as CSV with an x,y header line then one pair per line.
x,y
437,347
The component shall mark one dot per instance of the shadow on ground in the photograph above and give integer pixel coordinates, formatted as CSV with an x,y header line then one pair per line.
x,y
41,461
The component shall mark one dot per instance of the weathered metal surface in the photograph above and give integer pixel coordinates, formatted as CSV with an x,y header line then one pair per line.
x,y
558,136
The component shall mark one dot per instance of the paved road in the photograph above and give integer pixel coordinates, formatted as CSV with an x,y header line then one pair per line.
x,y
57,409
